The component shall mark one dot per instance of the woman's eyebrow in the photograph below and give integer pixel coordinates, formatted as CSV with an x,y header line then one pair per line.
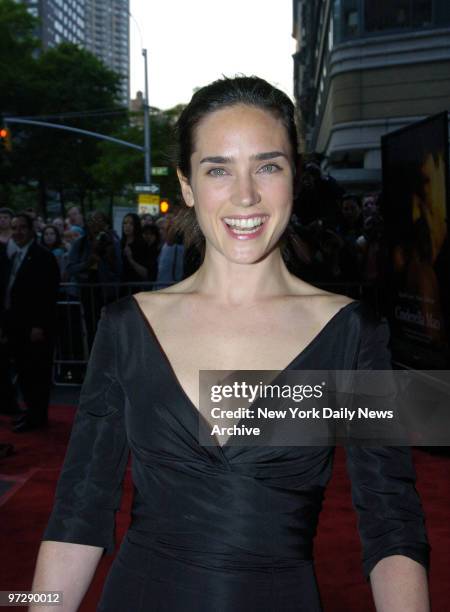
x,y
219,159
269,155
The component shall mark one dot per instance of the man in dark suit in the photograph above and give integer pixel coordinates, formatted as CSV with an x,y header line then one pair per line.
x,y
28,320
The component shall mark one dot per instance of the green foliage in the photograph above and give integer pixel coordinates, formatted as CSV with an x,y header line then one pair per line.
x,y
71,79
118,166
18,45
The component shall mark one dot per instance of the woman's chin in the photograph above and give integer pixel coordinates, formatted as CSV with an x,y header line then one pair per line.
x,y
244,256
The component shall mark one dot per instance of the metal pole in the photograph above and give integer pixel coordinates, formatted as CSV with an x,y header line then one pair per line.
x,y
66,128
147,141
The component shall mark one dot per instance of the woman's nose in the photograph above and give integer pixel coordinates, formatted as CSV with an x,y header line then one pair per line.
x,y
246,192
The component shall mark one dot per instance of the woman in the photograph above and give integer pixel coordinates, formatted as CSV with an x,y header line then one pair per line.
x,y
135,253
224,528
152,238
51,239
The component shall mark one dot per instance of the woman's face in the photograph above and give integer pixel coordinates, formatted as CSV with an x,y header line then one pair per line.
x,y
128,226
59,224
49,236
241,182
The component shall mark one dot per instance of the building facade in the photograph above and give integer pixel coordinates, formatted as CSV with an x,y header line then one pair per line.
x,y
100,26
364,68
59,20
108,37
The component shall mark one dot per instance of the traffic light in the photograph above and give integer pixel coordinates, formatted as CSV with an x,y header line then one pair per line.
x,y
5,138
164,206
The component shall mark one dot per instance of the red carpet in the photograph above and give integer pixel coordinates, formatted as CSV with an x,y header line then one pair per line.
x,y
33,470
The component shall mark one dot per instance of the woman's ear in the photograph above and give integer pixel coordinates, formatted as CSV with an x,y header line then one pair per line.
x,y
186,189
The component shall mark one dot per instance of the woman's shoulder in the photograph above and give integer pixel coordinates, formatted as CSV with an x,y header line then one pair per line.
x,y
148,303
164,301
318,302
322,306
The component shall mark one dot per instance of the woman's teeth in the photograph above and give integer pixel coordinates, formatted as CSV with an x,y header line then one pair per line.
x,y
245,226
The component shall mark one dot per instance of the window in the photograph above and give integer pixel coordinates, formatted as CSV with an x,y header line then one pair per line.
x,y
442,12
421,13
350,18
397,14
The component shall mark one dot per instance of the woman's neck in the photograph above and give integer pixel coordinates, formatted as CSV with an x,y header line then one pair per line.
x,y
242,284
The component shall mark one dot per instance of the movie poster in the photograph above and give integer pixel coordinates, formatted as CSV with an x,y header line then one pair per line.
x,y
415,206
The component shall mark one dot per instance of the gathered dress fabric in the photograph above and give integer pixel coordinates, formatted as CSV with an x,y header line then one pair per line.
x,y
218,528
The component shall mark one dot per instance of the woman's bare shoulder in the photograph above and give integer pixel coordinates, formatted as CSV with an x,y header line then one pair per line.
x,y
316,297
162,299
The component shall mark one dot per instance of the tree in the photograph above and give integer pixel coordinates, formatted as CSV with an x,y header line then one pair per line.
x,y
73,80
17,48
18,87
119,167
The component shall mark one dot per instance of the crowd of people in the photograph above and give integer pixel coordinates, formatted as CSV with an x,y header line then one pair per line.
x,y
341,234
338,238
43,262
91,251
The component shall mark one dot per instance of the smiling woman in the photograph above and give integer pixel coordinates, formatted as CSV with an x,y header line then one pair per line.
x,y
242,98
221,527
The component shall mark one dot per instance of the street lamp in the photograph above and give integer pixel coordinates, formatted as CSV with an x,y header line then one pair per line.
x,y
147,141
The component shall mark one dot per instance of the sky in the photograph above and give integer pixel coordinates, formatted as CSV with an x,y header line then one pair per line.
x,y
193,42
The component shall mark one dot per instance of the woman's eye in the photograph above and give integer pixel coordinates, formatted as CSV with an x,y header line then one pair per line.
x,y
270,168
217,172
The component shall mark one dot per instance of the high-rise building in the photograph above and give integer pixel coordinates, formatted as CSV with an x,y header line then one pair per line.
x,y
59,20
364,68
101,26
108,37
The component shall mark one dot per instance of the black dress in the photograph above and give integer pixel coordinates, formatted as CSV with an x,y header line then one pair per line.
x,y
217,529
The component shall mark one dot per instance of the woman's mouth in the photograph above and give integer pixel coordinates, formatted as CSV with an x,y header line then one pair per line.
x,y
245,227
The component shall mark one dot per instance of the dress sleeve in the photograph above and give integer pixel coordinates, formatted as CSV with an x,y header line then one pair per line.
x,y
89,489
390,515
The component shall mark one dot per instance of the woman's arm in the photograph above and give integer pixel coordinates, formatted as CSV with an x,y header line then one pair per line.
x,y
65,567
399,584
82,523
391,520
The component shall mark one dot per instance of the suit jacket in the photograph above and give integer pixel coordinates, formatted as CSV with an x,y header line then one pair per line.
x,y
34,293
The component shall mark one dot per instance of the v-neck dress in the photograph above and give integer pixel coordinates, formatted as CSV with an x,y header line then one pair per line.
x,y
218,529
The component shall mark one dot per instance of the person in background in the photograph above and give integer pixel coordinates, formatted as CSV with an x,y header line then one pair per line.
x,y
151,235
171,256
8,399
74,226
6,215
369,205
51,240
351,223
373,248
161,224
147,219
39,224
28,320
59,223
350,229
135,253
94,260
